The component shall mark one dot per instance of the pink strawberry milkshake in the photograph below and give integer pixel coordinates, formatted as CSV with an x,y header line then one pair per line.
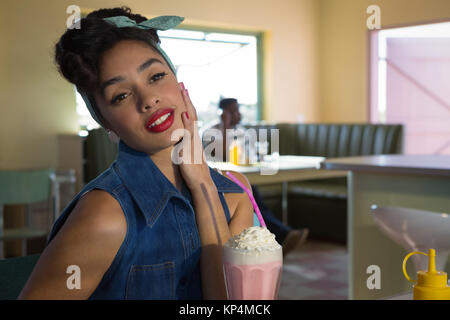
x,y
252,263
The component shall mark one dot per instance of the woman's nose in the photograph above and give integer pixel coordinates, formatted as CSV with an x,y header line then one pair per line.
x,y
148,102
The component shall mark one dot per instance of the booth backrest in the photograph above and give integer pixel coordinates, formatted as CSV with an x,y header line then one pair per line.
x,y
323,140
337,140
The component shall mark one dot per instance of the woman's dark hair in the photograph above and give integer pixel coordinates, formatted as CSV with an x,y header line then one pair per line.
x,y
78,51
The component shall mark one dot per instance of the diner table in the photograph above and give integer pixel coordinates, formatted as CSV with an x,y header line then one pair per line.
x,y
282,169
410,181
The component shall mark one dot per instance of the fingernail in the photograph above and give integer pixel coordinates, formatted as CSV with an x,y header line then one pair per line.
x,y
182,85
187,92
187,115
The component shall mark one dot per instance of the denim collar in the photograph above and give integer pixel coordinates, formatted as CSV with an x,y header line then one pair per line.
x,y
150,188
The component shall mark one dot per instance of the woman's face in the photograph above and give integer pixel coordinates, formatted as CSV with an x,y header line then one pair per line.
x,y
139,97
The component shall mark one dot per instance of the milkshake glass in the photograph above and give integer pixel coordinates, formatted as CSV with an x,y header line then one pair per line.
x,y
252,263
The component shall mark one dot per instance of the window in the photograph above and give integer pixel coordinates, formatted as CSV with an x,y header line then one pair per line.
x,y
410,84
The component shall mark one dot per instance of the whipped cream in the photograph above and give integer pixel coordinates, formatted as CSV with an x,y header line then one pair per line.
x,y
255,239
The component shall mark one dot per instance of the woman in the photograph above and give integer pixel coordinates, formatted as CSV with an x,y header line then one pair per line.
x,y
145,228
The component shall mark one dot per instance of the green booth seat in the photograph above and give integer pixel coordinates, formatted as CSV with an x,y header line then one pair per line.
x,y
14,273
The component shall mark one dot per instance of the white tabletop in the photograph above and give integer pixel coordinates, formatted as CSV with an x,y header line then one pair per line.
x,y
405,164
281,163
281,169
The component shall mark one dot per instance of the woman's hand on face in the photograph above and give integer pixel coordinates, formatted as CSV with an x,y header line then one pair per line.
x,y
194,167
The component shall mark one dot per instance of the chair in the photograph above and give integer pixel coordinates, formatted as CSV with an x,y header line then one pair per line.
x,y
14,273
24,188
416,230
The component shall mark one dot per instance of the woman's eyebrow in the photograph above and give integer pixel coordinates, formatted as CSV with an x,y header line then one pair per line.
x,y
110,82
118,79
147,64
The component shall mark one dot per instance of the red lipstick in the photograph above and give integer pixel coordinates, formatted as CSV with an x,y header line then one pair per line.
x,y
161,120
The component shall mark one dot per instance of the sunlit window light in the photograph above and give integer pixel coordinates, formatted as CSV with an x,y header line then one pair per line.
x,y
83,133
182,34
85,120
437,30
233,38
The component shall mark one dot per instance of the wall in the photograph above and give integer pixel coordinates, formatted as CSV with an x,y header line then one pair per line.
x,y
316,64
344,50
36,104
4,83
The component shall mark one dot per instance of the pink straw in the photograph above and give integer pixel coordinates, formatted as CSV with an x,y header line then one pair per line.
x,y
252,199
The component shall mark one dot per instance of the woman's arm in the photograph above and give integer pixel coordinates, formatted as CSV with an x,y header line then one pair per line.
x,y
89,239
215,231
211,221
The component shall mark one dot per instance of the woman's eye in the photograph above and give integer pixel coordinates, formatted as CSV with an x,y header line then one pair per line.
x,y
118,98
158,76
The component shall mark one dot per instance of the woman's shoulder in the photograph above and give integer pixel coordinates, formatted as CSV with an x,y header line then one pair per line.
x,y
99,196
89,239
96,215
238,201
99,211
242,178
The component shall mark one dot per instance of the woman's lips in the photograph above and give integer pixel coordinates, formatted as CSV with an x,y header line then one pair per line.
x,y
161,120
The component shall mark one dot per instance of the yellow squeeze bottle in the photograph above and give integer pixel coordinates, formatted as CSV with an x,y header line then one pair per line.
x,y
431,285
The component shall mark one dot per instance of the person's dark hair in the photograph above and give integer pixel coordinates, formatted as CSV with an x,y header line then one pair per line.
x,y
224,103
78,51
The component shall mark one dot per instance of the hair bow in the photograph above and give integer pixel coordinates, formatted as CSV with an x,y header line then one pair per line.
x,y
159,23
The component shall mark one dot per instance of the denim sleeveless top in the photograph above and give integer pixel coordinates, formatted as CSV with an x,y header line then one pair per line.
x,y
160,255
